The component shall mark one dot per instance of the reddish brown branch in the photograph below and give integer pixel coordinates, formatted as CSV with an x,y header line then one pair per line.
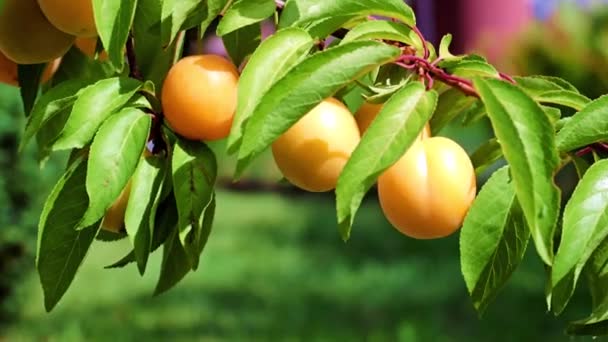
x,y
411,62
424,43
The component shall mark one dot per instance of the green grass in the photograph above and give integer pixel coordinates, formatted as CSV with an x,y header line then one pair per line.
x,y
276,269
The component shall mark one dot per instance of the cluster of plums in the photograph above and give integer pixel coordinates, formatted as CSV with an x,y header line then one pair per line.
x,y
42,31
425,195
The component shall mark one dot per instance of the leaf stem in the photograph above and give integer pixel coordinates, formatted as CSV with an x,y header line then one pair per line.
x,y
226,7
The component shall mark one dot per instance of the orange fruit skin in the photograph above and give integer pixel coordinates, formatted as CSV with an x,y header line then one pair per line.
x,y
73,17
428,192
114,219
9,74
199,97
27,37
8,71
368,112
88,47
313,152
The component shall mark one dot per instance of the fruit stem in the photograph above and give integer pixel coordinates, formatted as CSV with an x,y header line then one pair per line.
x,y
133,68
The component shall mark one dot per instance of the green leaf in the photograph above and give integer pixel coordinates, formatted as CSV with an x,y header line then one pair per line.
x,y
146,184
321,18
113,19
471,68
474,114
597,274
140,102
175,265
244,13
381,94
581,166
93,106
51,103
528,143
154,58
585,225
383,30
29,84
179,15
537,85
113,157
62,248
444,49
270,62
486,155
594,325
76,65
108,236
552,90
214,8
165,221
49,133
452,104
564,97
314,79
243,42
493,239
194,175
554,114
586,127
388,137
199,241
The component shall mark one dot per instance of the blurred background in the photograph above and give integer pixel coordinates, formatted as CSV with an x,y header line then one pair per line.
x,y
275,267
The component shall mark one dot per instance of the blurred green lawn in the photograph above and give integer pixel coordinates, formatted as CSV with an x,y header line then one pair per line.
x,y
275,269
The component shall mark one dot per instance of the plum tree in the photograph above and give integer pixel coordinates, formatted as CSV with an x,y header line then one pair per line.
x,y
38,41
72,17
157,92
428,192
313,152
199,97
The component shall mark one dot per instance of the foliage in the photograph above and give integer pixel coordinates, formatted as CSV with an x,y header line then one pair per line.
x,y
107,122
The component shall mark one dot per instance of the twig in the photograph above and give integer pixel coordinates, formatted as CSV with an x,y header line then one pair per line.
x,y
427,53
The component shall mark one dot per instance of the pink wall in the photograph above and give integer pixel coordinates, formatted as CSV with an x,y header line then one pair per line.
x,y
492,24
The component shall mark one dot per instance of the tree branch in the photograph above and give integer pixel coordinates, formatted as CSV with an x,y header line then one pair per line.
x,y
462,84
